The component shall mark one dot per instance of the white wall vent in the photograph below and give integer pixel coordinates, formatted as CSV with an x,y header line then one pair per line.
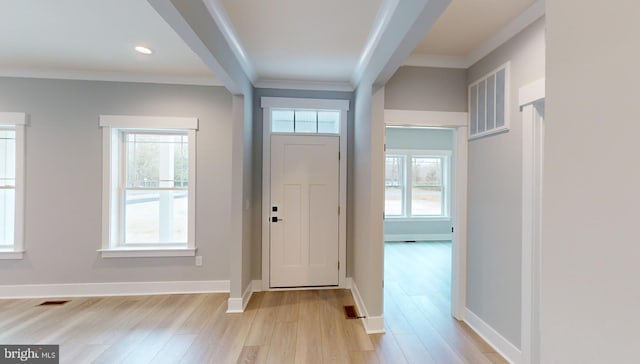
x,y
488,103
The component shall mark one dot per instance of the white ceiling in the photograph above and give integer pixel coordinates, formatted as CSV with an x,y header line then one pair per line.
x,y
303,40
93,39
291,40
466,24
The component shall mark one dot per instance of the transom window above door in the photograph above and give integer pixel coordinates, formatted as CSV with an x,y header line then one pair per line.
x,y
305,121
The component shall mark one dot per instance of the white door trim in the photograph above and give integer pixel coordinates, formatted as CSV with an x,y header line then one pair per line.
x,y
267,104
458,122
531,98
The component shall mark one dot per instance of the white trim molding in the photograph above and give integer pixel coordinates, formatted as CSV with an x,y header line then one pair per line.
x,y
17,122
267,104
202,80
372,325
505,348
140,253
531,102
458,122
417,237
519,23
112,289
238,305
219,15
442,119
113,127
528,94
304,85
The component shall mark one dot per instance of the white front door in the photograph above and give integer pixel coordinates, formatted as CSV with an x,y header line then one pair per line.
x,y
304,210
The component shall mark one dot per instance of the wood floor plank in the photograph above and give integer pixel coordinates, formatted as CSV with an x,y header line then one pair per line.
x,y
282,347
278,326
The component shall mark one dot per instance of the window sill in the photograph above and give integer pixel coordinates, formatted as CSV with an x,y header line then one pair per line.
x,y
147,252
417,219
11,254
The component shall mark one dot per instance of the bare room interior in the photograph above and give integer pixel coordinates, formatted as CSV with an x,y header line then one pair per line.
x,y
371,181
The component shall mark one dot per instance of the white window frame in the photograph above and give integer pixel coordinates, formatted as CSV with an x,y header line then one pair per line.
x,y
112,128
408,155
17,122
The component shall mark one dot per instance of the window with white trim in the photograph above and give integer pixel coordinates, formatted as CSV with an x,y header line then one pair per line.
x,y
149,186
11,184
417,184
305,121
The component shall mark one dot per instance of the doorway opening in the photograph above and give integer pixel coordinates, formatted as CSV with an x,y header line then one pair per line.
x,y
418,217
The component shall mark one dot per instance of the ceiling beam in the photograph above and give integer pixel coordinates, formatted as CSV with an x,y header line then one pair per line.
x,y
397,30
193,22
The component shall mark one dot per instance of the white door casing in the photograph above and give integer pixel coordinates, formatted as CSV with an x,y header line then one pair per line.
x,y
305,197
268,104
457,121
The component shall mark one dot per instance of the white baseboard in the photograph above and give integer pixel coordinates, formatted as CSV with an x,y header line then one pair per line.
x,y
417,237
372,325
503,346
256,285
112,289
238,305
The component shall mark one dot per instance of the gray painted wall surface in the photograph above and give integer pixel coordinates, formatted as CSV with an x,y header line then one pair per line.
x,y
430,89
590,254
258,122
495,188
64,179
418,139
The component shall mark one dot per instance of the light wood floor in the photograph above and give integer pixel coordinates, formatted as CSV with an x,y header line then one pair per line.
x,y
277,327
417,311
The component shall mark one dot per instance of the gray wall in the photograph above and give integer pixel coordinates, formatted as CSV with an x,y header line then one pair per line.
x,y
256,210
425,88
64,179
495,188
417,139
590,239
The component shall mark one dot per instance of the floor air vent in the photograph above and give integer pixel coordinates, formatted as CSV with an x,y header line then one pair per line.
x,y
53,303
350,312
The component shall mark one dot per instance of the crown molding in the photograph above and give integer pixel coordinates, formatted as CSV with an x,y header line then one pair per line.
x,y
304,85
526,18
519,23
220,17
111,76
437,61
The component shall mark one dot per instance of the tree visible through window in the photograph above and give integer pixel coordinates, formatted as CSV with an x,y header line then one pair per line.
x,y
416,184
426,186
7,185
394,186
155,190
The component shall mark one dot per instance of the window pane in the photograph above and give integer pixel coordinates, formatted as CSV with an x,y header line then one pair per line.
x,y
329,122
7,157
426,186
491,81
394,186
155,216
282,121
482,103
473,110
500,96
306,122
157,160
7,216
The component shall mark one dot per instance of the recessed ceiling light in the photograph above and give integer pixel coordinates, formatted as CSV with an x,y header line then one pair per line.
x,y
143,50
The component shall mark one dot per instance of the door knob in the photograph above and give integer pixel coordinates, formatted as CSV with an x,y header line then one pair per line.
x,y
275,219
